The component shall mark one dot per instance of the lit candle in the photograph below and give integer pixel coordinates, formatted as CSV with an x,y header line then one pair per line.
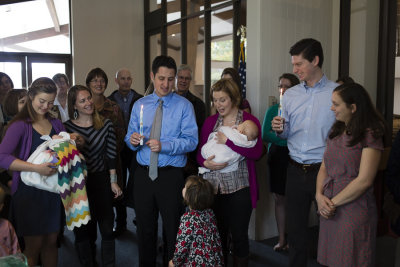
x,y
141,124
280,110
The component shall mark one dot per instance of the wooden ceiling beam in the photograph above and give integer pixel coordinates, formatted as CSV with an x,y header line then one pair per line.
x,y
53,14
36,35
176,28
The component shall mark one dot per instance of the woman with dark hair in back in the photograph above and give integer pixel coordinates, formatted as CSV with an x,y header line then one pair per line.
x,y
101,183
344,189
278,159
344,79
13,103
35,213
231,73
6,84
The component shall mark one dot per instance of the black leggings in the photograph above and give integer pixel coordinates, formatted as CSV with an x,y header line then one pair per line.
x,y
233,213
100,197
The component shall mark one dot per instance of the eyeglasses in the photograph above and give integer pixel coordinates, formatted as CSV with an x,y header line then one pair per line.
x,y
283,86
102,81
184,78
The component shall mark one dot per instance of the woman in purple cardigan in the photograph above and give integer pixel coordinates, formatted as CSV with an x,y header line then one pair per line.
x,y
35,213
236,192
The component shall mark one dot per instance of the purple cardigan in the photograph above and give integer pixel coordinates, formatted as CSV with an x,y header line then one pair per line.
x,y
17,143
251,154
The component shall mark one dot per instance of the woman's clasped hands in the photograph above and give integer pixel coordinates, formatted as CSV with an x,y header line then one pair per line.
x,y
326,208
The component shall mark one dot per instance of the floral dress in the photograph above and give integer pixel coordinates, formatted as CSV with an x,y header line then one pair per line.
x,y
349,237
198,242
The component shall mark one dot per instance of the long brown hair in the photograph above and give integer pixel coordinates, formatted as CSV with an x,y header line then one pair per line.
x,y
366,117
98,120
10,103
40,85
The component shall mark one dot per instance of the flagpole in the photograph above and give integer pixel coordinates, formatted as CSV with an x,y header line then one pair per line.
x,y
242,60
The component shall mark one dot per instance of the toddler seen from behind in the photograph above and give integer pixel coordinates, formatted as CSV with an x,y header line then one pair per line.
x,y
198,242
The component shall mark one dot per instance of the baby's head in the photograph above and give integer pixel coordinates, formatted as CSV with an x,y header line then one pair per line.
x,y
249,129
2,197
198,193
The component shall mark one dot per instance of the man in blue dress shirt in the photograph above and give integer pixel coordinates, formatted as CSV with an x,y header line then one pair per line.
x,y
178,137
306,121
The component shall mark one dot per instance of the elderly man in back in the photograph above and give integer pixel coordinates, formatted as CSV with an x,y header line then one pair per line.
x,y
125,97
184,79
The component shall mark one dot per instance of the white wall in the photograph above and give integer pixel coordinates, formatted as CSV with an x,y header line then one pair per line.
x,y
109,35
273,26
364,36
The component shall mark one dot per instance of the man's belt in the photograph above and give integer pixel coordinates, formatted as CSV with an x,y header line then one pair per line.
x,y
305,167
146,167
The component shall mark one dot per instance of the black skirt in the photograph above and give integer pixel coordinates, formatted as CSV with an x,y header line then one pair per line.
x,y
278,159
35,211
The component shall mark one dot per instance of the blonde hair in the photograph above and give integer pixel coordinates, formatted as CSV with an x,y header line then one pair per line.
x,y
229,87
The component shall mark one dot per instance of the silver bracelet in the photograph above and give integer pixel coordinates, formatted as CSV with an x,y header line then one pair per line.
x,y
113,177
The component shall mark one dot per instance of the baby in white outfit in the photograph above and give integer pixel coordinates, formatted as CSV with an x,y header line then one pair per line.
x,y
244,135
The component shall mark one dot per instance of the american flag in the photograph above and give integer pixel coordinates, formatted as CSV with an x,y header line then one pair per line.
x,y
242,69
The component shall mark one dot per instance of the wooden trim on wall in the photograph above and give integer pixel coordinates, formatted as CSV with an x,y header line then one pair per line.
x,y
386,59
235,38
207,54
344,38
184,32
164,40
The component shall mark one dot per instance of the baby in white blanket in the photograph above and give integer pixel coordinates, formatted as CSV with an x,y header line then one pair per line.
x,y
244,135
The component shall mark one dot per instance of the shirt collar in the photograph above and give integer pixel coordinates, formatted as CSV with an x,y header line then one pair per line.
x,y
320,84
127,95
166,98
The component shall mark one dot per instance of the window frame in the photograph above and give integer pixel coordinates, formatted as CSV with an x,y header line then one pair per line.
x,y
27,59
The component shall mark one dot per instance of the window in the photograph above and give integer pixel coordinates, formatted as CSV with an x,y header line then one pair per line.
x,y
37,42
199,33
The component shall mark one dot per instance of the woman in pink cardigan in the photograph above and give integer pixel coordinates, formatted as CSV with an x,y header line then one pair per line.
x,y
236,192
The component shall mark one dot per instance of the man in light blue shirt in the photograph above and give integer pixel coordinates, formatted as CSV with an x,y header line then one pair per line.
x,y
306,122
178,137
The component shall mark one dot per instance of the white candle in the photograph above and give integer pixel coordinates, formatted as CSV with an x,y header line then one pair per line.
x,y
141,124
280,110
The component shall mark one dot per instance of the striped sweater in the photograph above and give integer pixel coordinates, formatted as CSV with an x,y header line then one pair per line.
x,y
100,145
